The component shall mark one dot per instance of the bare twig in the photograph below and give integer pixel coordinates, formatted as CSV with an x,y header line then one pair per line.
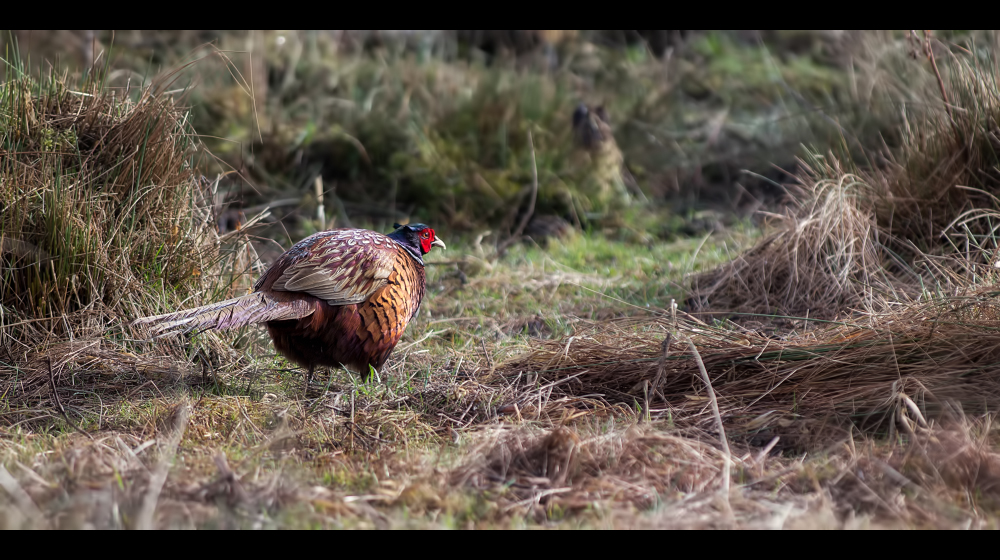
x,y
727,454
662,369
320,209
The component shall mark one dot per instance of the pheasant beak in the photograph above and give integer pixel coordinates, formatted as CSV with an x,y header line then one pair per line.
x,y
438,243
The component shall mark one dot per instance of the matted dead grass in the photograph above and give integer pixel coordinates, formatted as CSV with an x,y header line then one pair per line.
x,y
903,366
632,465
598,474
641,475
586,440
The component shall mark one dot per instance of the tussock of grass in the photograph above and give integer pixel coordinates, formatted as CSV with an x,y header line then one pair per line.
x,y
862,233
947,161
103,219
826,257
103,212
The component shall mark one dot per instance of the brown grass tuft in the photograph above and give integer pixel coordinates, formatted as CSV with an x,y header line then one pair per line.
x,y
826,256
957,456
857,233
103,214
102,218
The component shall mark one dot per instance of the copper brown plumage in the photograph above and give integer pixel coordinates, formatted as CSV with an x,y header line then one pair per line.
x,y
339,297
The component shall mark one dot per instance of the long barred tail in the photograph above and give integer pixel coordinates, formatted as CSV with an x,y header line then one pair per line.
x,y
229,314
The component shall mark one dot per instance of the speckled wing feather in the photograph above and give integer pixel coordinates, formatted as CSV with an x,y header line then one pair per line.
x,y
340,266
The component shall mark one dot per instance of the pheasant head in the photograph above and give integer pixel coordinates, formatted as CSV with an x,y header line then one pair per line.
x,y
417,239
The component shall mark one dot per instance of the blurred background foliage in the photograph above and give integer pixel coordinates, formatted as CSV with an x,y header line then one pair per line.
x,y
434,125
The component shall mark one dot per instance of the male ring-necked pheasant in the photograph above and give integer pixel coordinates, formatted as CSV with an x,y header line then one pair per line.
x,y
339,297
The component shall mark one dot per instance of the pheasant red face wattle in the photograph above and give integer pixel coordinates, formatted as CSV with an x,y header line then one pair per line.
x,y
428,239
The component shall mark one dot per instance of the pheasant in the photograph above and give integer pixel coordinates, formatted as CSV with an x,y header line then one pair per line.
x,y
339,297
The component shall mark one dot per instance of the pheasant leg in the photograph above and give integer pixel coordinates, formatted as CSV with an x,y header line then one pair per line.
x,y
309,378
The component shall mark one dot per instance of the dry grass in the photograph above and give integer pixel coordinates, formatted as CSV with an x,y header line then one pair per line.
x,y
103,215
946,164
590,474
103,219
859,235
825,258
602,430
882,420
903,367
936,480
565,468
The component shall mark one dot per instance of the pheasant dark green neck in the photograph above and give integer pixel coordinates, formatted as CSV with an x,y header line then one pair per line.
x,y
407,237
